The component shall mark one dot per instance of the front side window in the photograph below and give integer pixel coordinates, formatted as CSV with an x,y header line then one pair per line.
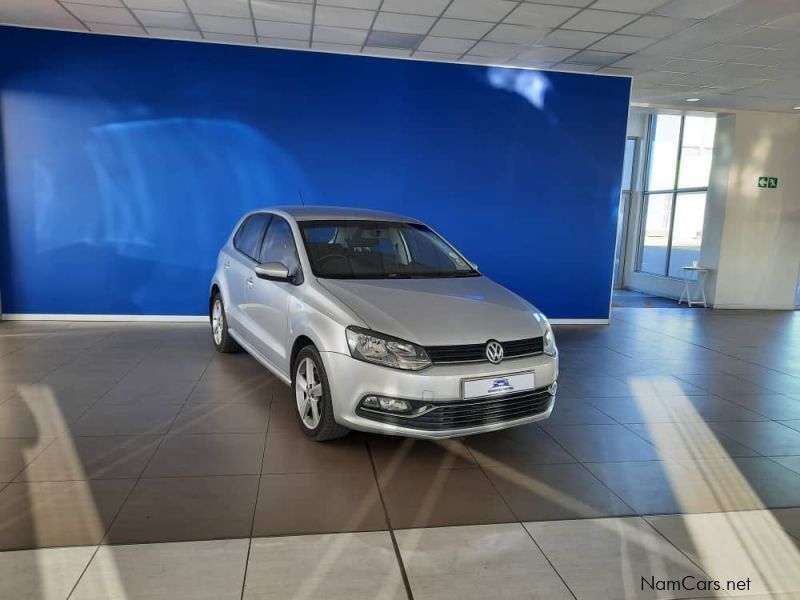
x,y
678,171
354,249
279,245
248,238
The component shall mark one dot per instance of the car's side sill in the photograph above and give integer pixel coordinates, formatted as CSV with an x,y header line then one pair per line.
x,y
257,355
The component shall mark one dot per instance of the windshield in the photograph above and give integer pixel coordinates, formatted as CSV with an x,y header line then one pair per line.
x,y
379,250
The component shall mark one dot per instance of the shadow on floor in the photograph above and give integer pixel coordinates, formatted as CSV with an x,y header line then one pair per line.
x,y
632,299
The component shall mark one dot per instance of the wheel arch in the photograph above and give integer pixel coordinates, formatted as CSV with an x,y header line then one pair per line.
x,y
215,289
300,342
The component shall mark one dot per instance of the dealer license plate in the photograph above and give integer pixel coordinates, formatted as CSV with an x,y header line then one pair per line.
x,y
499,385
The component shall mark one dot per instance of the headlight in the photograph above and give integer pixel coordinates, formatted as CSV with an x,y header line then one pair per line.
x,y
386,350
549,340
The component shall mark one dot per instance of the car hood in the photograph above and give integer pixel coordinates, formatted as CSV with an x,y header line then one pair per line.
x,y
438,312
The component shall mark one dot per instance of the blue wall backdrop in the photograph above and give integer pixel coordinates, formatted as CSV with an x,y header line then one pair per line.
x,y
125,163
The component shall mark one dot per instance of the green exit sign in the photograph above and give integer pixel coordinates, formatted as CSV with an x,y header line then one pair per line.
x,y
768,182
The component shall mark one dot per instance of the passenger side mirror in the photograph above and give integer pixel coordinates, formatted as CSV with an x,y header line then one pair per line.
x,y
274,271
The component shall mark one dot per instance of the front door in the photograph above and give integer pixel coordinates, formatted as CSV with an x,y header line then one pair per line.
x,y
267,303
238,265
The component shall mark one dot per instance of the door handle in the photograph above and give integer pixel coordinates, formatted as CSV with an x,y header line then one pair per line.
x,y
250,282
227,264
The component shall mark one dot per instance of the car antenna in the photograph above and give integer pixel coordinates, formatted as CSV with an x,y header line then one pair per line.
x,y
302,202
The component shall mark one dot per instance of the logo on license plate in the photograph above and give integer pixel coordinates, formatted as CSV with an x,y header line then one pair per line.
x,y
501,384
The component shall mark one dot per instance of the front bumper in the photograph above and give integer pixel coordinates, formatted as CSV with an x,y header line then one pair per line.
x,y
440,386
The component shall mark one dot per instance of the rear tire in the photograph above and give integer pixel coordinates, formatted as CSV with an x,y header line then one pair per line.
x,y
223,341
313,397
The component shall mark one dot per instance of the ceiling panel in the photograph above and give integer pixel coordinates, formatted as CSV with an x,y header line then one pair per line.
x,y
403,23
447,45
516,34
173,5
290,12
116,29
289,31
540,15
632,6
594,57
657,27
460,28
566,38
623,43
222,8
431,8
693,9
599,20
363,4
231,25
480,10
728,53
336,16
113,15
165,19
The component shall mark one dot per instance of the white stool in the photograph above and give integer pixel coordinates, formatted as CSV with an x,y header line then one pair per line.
x,y
699,296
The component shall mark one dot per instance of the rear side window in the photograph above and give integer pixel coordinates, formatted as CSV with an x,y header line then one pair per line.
x,y
248,238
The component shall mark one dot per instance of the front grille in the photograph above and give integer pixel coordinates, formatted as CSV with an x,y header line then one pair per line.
x,y
477,352
471,413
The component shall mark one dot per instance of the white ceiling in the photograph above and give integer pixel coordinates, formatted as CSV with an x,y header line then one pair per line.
x,y
728,53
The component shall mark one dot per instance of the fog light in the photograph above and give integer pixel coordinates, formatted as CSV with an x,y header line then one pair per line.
x,y
394,405
370,402
552,388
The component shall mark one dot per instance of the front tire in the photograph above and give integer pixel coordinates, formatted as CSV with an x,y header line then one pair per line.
x,y
313,397
223,341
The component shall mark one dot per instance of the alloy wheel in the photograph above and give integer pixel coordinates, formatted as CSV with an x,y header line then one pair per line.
x,y
308,392
217,321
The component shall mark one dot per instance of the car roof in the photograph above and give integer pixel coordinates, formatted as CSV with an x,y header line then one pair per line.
x,y
314,213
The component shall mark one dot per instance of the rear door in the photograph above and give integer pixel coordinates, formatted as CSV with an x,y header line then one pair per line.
x,y
267,302
239,268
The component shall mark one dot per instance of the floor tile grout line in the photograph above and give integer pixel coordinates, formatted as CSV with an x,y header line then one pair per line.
x,y
150,460
519,521
592,473
547,558
489,467
645,516
689,558
122,504
395,545
66,429
258,492
83,572
692,343
716,434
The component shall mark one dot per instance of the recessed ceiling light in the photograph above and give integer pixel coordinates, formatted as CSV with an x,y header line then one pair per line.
x,y
693,99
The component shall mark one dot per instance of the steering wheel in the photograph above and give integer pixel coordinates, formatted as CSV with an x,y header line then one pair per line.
x,y
329,257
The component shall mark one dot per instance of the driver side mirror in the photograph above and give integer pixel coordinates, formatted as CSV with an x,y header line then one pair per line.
x,y
274,271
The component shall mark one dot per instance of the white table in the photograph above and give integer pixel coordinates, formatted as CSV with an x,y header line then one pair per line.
x,y
699,295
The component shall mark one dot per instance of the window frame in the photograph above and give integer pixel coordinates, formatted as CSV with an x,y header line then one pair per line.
x,y
297,278
673,192
236,235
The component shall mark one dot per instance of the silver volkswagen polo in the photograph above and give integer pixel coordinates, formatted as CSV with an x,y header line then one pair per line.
x,y
380,325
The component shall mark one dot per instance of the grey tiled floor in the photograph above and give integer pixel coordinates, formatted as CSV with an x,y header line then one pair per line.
x,y
122,434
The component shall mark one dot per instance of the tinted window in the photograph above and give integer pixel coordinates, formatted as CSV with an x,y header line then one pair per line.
x,y
357,249
249,235
279,245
